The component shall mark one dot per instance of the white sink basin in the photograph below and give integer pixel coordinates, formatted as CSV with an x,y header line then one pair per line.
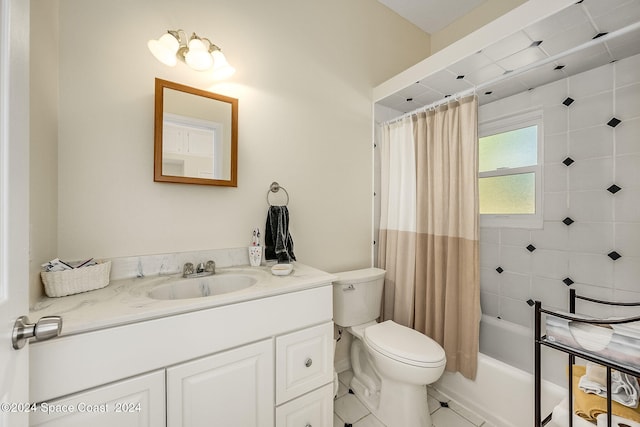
x,y
202,287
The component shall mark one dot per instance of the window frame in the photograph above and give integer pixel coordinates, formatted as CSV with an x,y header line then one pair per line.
x,y
504,124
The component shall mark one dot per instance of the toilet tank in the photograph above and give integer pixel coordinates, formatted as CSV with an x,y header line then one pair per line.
x,y
357,296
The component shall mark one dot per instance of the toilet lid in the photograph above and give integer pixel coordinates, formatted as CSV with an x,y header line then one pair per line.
x,y
404,344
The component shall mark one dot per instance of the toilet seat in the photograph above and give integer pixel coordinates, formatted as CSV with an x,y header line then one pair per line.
x,y
404,345
358,330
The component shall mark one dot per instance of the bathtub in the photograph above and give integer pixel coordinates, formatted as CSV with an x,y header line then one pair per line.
x,y
502,393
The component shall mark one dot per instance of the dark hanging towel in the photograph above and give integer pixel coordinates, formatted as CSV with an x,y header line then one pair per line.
x,y
277,240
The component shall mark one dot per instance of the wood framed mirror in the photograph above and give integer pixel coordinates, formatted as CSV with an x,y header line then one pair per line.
x,y
196,136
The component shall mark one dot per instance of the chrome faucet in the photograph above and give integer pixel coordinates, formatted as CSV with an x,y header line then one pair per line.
x,y
200,270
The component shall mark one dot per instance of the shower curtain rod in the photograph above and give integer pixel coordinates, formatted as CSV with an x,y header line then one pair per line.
x,y
518,71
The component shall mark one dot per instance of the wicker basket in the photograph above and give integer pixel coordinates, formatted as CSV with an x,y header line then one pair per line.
x,y
83,279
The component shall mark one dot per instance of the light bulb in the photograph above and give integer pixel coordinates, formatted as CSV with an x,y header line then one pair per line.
x,y
221,68
164,49
197,57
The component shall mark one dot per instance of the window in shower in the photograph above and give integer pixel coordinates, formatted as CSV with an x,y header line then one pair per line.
x,y
510,171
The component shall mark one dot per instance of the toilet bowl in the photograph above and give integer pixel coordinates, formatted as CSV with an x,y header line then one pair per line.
x,y
392,364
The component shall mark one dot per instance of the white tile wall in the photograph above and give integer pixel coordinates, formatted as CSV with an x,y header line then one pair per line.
x,y
604,222
591,142
590,174
627,137
591,206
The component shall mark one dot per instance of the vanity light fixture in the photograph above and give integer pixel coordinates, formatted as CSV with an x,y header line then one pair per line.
x,y
198,53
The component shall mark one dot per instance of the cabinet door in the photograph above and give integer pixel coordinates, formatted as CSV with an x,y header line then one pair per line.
x,y
232,388
304,361
314,409
136,402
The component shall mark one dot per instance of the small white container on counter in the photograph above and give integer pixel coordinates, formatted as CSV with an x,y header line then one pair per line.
x,y
255,256
282,269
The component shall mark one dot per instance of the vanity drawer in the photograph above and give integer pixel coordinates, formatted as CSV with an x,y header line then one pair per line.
x,y
304,361
314,409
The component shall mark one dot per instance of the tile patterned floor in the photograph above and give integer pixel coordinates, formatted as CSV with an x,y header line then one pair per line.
x,y
444,412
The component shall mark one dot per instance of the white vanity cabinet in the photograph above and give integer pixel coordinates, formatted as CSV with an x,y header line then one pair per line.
x,y
232,388
242,364
304,363
135,402
314,409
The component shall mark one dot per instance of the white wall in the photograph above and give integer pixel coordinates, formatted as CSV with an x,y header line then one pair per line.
x,y
481,15
304,76
43,184
604,222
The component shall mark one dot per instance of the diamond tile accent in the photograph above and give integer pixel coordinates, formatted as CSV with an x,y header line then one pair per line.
x,y
614,255
568,161
568,221
409,99
536,43
531,302
531,248
499,270
614,189
568,101
488,92
460,77
614,122
559,67
600,35
568,281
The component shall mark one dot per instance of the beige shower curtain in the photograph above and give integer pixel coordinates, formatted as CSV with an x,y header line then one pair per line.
x,y
429,228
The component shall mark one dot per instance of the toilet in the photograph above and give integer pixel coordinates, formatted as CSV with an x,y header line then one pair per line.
x,y
391,364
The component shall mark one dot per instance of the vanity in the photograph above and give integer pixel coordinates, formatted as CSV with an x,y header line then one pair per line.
x,y
258,356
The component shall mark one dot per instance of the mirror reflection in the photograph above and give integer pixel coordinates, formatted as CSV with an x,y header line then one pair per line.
x,y
195,136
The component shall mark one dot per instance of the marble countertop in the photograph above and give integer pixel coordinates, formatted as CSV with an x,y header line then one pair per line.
x,y
126,300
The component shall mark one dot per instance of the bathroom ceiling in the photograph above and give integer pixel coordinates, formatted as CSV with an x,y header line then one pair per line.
x,y
431,15
538,54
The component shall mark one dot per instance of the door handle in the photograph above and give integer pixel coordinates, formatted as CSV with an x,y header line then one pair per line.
x,y
45,328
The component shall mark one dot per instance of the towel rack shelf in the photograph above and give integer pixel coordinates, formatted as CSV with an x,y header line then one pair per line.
x,y
548,341
274,188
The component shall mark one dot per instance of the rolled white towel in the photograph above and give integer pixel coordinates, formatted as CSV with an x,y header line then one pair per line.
x,y
590,337
616,421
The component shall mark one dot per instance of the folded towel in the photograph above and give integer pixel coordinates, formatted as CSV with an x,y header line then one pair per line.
x,y
596,373
616,421
277,240
589,406
624,388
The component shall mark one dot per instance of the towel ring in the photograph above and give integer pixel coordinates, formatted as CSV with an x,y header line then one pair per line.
x,y
274,188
